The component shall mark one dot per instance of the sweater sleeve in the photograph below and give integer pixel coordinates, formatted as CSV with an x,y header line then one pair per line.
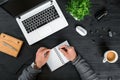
x,y
29,74
84,69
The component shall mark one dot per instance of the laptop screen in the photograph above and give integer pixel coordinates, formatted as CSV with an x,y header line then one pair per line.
x,y
16,7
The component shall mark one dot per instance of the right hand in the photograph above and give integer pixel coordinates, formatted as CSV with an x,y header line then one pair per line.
x,y
42,56
69,52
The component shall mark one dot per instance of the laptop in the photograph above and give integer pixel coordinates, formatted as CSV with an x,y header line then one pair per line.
x,y
37,19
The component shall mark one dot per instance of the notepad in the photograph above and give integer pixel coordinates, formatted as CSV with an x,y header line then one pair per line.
x,y
56,58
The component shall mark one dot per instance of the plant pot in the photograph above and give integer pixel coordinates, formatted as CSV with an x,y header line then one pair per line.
x,y
74,17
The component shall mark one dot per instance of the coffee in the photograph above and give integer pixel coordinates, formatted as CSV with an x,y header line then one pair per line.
x,y
111,56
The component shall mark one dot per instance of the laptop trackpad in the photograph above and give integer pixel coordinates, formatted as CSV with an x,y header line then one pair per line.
x,y
44,31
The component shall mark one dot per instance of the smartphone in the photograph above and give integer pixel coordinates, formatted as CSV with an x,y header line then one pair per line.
x,y
3,1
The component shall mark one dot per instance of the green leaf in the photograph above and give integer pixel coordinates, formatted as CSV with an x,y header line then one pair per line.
x,y
79,8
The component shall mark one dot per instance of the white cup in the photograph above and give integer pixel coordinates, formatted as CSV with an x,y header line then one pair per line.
x,y
105,56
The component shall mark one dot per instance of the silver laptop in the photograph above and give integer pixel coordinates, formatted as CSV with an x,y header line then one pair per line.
x,y
40,21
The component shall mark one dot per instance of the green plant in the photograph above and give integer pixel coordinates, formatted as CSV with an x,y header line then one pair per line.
x,y
79,8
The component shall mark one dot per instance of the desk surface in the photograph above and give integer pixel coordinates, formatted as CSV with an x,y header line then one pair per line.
x,y
91,47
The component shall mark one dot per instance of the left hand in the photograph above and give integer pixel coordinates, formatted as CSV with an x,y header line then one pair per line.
x,y
42,56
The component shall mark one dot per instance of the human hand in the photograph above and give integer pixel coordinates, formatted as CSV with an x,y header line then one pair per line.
x,y
41,57
69,52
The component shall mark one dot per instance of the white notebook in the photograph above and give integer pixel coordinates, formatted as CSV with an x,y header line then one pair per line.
x,y
56,58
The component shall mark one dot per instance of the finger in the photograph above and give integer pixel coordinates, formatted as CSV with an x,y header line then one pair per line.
x,y
63,46
45,51
40,49
43,48
66,47
71,48
63,51
47,55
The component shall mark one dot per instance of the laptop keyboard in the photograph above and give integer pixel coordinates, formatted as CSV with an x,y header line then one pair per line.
x,y
40,19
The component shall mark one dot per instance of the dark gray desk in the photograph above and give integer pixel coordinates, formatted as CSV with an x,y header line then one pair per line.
x,y
91,47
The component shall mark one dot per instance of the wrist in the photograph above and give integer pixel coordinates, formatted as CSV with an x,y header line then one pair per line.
x,y
74,58
77,59
34,66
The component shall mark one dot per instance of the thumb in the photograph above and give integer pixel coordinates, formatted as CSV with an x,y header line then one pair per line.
x,y
47,55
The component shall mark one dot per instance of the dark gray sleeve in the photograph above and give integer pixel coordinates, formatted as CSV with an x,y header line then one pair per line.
x,y
84,69
29,74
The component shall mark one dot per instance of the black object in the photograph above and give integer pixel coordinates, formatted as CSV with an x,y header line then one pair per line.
x,y
18,7
3,1
39,19
101,13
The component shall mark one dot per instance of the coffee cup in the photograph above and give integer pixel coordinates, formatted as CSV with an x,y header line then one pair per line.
x,y
110,56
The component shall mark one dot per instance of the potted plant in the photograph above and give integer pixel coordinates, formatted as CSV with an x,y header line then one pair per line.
x,y
79,8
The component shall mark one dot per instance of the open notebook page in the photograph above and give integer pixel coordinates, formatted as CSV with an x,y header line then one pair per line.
x,y
56,58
